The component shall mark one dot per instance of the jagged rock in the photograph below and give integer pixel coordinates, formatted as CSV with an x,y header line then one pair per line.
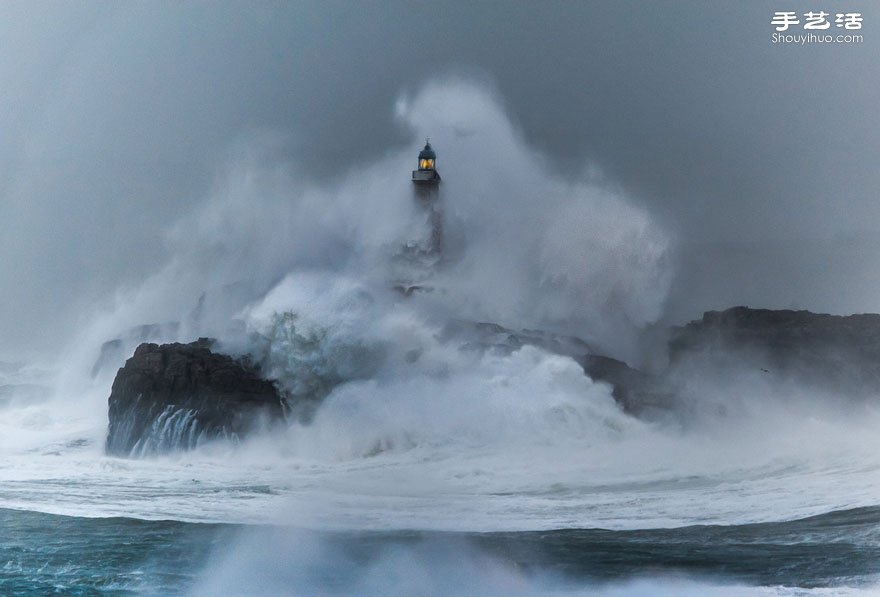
x,y
173,396
837,353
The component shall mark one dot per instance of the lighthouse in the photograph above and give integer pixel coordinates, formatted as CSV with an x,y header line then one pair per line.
x,y
421,255
426,181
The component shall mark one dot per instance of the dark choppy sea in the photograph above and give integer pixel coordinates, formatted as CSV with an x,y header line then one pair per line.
x,y
43,554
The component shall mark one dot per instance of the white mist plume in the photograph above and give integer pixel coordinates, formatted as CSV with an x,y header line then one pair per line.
x,y
538,251
526,248
408,387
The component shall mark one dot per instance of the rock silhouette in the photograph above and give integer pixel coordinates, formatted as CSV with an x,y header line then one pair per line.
x,y
174,396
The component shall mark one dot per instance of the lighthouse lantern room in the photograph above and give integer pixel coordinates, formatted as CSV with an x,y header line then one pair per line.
x,y
427,173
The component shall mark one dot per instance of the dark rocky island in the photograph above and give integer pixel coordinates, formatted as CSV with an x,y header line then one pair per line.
x,y
174,396
836,353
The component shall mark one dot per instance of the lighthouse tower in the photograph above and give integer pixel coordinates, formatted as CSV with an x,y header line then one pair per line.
x,y
419,257
426,182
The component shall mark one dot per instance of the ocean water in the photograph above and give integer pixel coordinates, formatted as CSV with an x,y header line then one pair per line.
x,y
42,554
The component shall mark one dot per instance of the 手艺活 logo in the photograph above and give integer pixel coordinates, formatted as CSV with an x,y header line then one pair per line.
x,y
786,22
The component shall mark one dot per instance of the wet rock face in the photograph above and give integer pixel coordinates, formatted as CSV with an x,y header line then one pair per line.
x,y
174,396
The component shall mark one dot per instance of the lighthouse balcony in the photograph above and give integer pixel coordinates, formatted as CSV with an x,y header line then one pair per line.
x,y
425,176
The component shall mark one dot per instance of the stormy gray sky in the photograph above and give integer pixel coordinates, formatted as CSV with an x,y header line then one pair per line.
x,y
116,118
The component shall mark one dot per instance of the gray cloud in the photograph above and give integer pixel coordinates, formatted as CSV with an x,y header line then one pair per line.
x,y
117,117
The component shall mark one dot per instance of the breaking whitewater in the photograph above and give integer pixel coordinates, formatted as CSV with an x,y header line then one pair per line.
x,y
430,459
